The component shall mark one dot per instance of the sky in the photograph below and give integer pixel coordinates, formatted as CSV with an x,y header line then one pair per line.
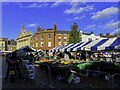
x,y
98,17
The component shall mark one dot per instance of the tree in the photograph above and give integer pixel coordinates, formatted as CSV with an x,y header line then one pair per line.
x,y
108,35
115,35
74,34
101,34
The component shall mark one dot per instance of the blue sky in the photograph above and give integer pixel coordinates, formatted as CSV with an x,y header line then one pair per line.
x,y
99,17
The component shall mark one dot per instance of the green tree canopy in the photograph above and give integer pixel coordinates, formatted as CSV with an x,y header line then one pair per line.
x,y
74,34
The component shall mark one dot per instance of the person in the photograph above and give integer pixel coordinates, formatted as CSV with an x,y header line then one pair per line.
x,y
83,56
31,57
12,61
66,56
113,58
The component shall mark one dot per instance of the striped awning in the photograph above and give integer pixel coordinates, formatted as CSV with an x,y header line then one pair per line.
x,y
96,45
65,48
55,48
75,45
106,44
116,43
58,49
78,48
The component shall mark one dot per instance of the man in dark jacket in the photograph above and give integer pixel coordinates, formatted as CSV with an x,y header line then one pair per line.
x,y
12,59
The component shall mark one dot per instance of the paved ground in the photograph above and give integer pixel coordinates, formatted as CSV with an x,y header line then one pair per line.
x,y
19,83
42,81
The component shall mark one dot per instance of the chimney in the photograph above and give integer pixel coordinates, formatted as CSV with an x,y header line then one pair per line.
x,y
91,32
55,27
38,29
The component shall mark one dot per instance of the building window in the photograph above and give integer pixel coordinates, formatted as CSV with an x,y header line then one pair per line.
x,y
41,44
89,39
10,48
41,37
49,35
65,40
59,40
59,35
65,35
59,43
49,44
36,44
2,45
65,43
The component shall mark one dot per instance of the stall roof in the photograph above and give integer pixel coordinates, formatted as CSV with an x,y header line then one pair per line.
x,y
96,45
27,49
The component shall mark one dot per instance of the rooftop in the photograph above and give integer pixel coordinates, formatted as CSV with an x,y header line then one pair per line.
x,y
62,32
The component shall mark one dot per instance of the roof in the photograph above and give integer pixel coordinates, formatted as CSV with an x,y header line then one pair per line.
x,y
87,33
48,29
3,38
62,32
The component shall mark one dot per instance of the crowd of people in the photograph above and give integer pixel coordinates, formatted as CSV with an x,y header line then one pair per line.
x,y
83,55
35,56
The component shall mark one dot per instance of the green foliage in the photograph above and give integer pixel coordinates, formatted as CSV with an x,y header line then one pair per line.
x,y
74,34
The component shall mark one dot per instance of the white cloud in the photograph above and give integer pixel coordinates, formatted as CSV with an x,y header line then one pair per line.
x,y
82,17
112,25
90,27
116,31
33,5
57,3
76,18
72,3
105,13
32,25
75,9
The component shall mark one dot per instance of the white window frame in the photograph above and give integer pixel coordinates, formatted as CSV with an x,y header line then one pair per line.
x,y
41,38
36,44
59,35
65,43
59,43
49,44
41,44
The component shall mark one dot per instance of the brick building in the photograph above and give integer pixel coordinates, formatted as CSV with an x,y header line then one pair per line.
x,y
47,39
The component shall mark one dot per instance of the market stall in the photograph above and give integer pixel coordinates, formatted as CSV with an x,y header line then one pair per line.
x,y
99,48
26,56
